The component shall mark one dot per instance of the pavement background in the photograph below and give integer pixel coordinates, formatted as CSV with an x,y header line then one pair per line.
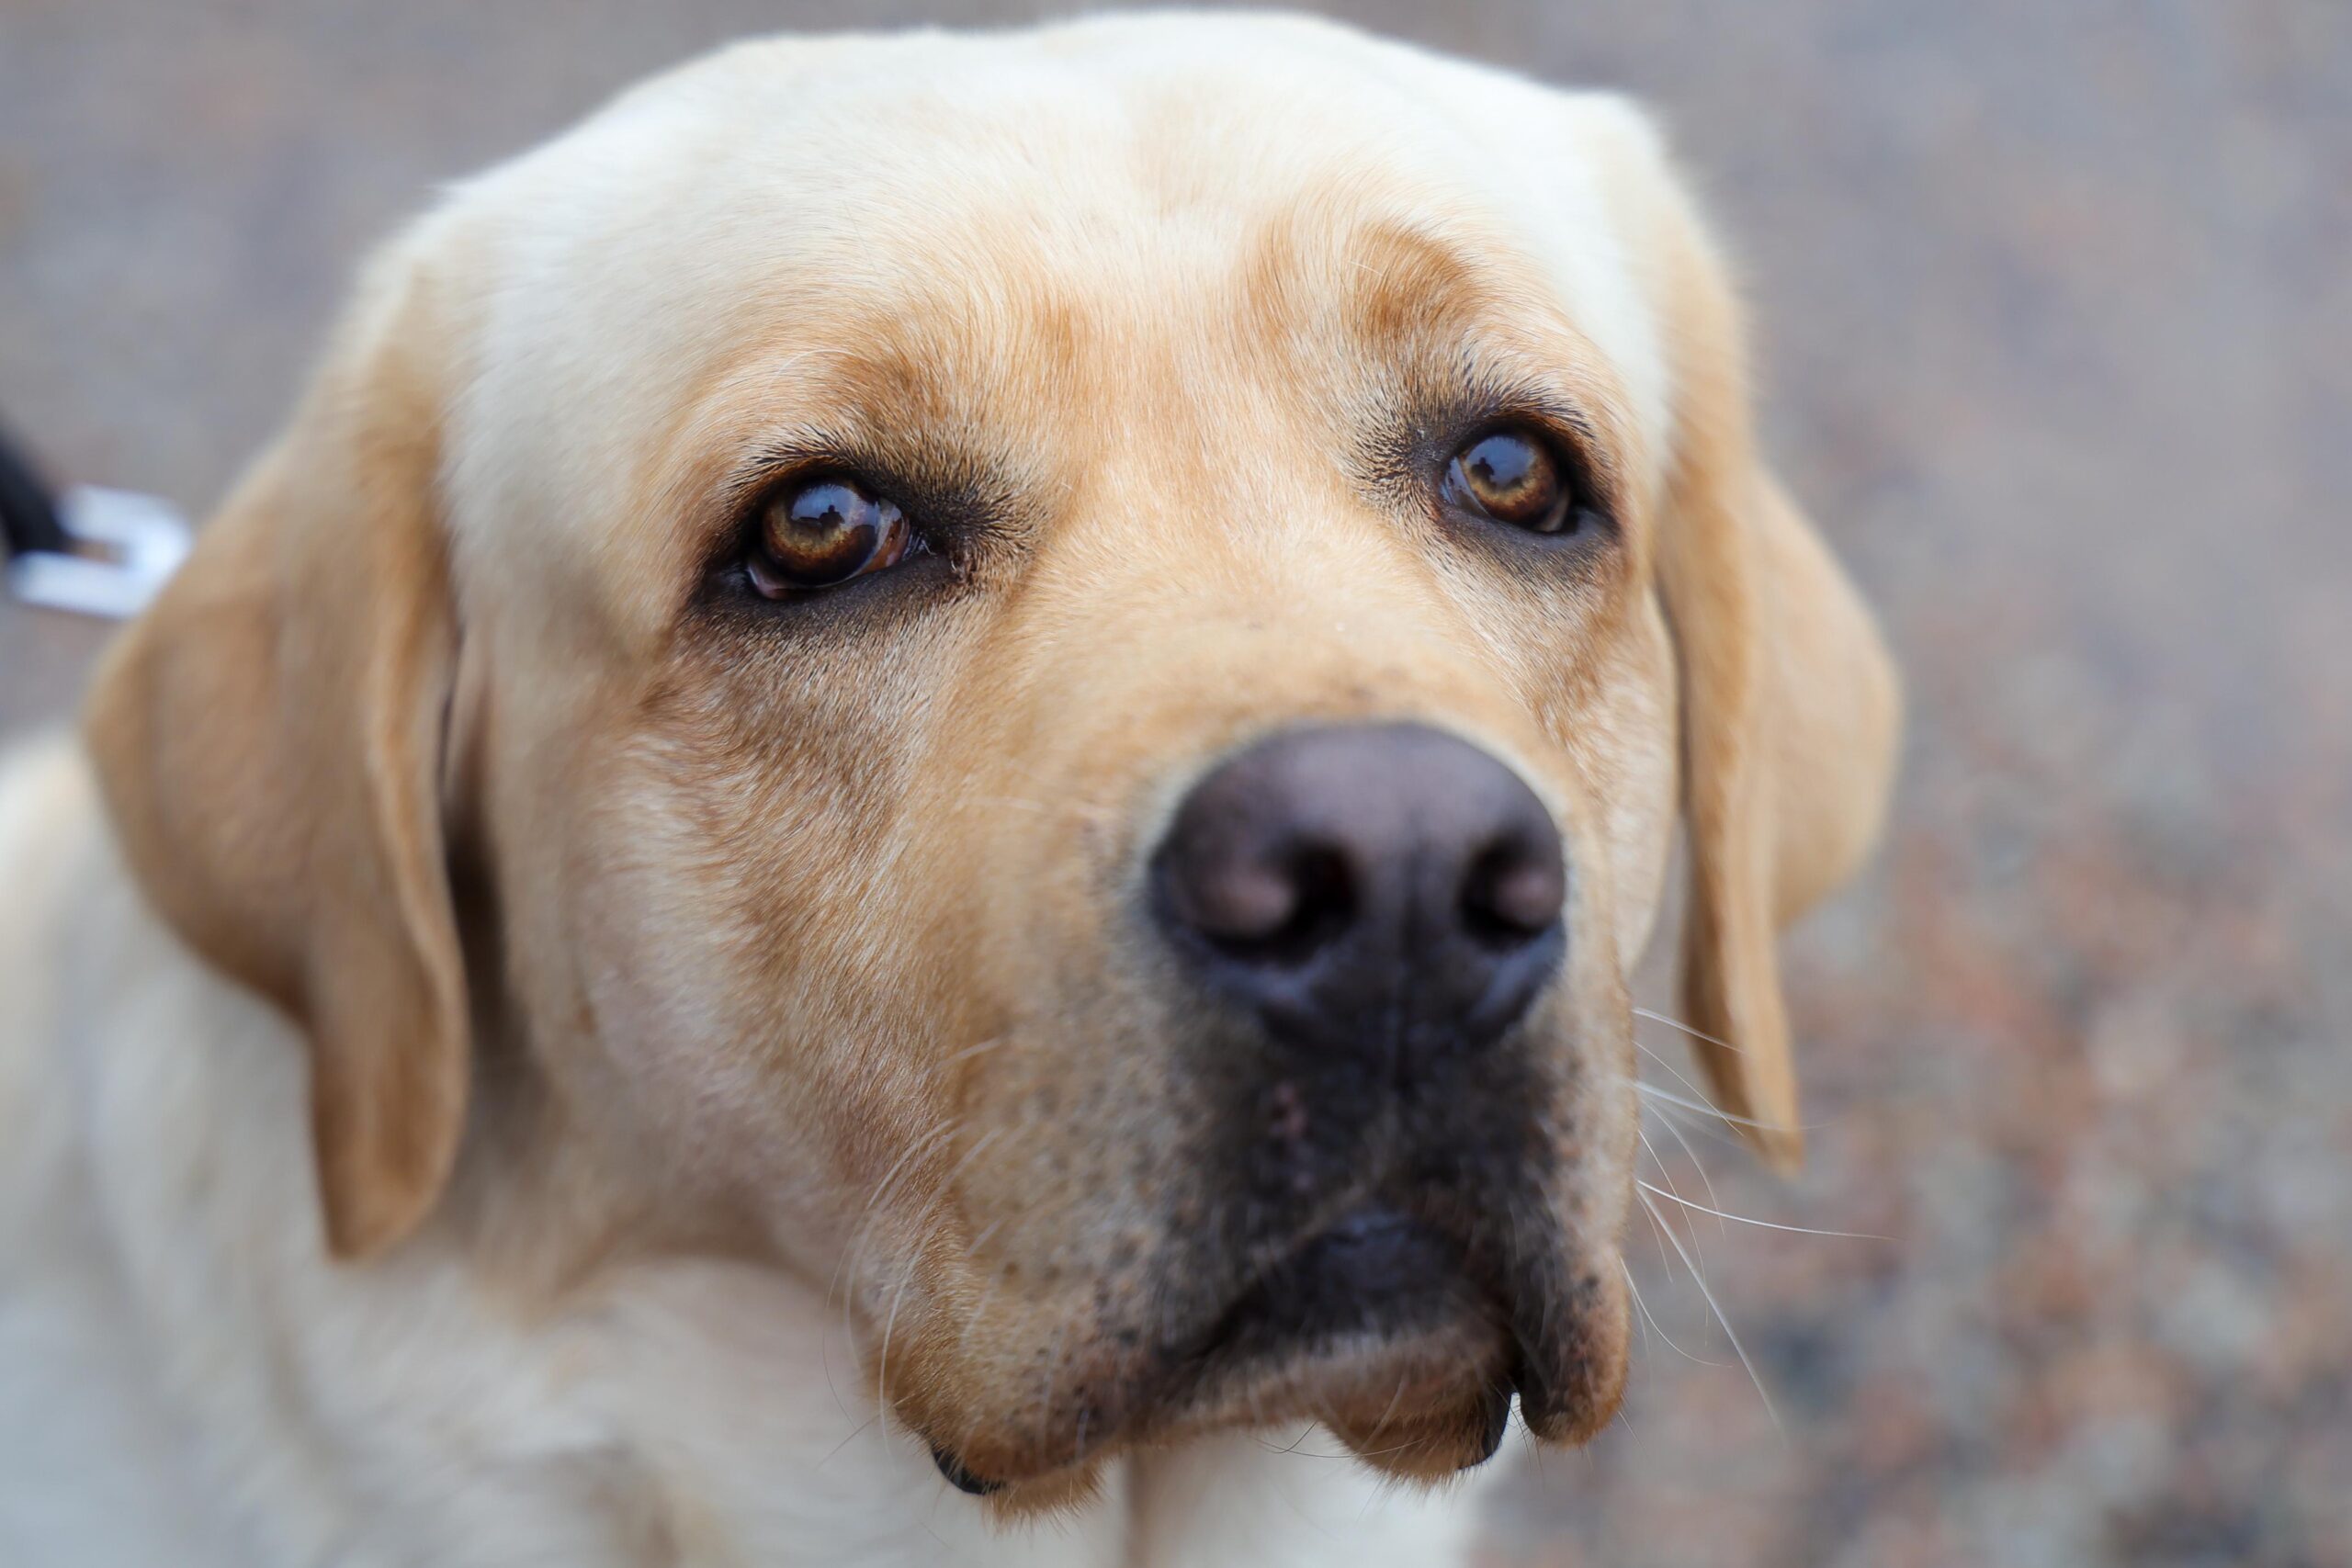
x,y
2057,316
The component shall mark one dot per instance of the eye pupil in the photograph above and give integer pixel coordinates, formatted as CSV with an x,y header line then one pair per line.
x,y
821,532
1510,477
1501,463
827,505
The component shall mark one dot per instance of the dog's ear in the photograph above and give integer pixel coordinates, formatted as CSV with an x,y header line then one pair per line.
x,y
1791,708
268,737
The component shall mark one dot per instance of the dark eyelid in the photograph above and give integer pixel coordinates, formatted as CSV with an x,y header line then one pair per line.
x,y
958,503
798,461
947,497
1436,409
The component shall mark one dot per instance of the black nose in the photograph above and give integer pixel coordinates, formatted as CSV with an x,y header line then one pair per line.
x,y
1383,890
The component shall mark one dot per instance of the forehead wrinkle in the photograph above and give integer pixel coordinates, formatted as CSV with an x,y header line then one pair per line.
x,y
1404,281
1393,319
1379,291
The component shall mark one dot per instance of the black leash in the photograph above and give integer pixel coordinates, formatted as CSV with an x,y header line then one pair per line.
x,y
88,550
29,519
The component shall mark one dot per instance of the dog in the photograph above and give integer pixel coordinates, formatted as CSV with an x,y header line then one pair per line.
x,y
905,826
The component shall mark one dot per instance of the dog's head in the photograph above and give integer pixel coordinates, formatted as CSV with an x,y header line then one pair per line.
x,y
1047,676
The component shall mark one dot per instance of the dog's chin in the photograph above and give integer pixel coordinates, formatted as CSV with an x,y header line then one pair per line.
x,y
1409,1346
1416,1402
1412,1346
1378,1325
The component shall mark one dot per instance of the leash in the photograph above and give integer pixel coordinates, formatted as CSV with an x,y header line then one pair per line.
x,y
88,549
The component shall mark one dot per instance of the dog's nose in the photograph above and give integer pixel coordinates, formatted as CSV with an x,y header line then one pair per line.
x,y
1389,891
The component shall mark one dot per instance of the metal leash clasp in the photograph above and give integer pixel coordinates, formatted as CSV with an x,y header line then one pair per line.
x,y
121,546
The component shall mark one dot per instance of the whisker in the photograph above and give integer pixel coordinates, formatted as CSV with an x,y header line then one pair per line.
x,y
969,1051
986,1233
856,1433
1763,1225
1664,1259
882,1189
1693,1034
1652,1150
1368,1453
853,1259
1653,1322
915,1257
1669,1067
1381,1425
1702,1123
890,1321
1713,1305
1670,1097
948,1178
825,1360
963,1161
978,1313
1696,1163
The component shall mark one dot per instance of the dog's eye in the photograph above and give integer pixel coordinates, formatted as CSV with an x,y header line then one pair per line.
x,y
1512,476
821,531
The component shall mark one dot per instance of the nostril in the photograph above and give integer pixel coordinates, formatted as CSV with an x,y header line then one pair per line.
x,y
1240,901
1323,905
1277,908
1512,892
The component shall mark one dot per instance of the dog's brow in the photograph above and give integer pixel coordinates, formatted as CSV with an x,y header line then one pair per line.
x,y
1443,328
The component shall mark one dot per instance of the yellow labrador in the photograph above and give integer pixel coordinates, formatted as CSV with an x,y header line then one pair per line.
x,y
918,793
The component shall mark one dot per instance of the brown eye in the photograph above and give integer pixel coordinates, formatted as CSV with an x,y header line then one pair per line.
x,y
821,532
1511,476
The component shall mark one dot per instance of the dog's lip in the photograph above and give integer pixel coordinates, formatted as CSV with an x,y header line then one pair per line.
x,y
1377,1294
1416,1383
1347,1277
1373,1288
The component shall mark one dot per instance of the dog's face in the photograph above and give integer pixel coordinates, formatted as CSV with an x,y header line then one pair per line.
x,y
1034,673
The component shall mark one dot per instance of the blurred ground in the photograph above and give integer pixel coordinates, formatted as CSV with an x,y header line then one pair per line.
x,y
2057,305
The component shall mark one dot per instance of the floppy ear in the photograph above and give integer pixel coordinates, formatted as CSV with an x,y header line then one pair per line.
x,y
268,739
1790,704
